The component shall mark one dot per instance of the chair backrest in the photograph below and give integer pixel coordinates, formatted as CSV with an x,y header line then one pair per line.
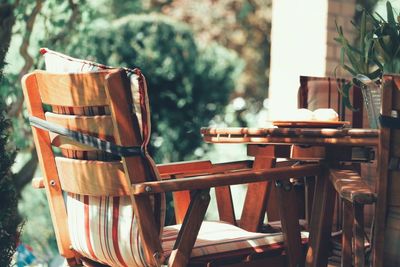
x,y
387,211
98,218
322,92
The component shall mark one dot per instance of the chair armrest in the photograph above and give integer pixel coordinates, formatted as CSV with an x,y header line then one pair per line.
x,y
38,183
192,168
351,187
232,178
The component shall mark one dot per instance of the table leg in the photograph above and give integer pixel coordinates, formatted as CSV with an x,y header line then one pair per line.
x,y
321,222
290,223
256,198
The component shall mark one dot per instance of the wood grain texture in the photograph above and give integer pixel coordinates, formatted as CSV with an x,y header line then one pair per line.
x,y
226,212
187,235
47,164
137,170
71,89
255,203
99,126
286,197
359,246
94,178
321,221
208,181
350,186
347,234
382,181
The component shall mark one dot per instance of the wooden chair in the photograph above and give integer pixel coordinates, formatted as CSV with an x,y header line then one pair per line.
x,y
353,191
385,244
106,195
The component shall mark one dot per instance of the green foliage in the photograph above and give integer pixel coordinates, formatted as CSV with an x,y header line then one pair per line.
x,y
188,84
377,50
9,218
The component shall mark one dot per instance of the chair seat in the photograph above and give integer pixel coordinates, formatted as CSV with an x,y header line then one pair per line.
x,y
217,241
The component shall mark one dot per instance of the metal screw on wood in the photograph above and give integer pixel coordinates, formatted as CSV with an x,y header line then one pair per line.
x,y
148,189
52,182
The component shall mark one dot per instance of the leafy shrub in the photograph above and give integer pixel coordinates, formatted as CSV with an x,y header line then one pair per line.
x,y
188,83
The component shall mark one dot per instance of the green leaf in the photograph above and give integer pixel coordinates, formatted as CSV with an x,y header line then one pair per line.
x,y
390,14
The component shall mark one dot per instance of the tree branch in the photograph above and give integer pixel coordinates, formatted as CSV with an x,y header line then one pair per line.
x,y
25,174
23,50
73,19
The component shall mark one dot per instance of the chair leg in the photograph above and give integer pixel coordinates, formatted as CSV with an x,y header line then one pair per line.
x,y
359,248
348,219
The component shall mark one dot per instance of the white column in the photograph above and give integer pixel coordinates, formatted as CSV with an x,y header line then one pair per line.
x,y
298,47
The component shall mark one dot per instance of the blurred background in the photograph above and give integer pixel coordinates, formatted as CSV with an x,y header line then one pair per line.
x,y
208,63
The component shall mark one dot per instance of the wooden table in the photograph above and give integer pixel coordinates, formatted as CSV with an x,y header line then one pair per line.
x,y
328,146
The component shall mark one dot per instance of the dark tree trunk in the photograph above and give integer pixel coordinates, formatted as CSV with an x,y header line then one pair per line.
x,y
9,218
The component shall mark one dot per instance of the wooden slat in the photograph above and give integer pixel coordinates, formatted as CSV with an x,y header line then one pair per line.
x,y
99,126
290,225
207,181
225,206
181,202
199,166
46,160
72,89
359,246
351,187
309,153
189,230
347,235
382,181
345,141
321,222
94,178
137,170
255,203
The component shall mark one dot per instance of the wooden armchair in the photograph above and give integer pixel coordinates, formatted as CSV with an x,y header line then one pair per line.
x,y
353,189
106,195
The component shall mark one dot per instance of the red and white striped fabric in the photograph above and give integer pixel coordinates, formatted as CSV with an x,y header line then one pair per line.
x,y
220,240
105,231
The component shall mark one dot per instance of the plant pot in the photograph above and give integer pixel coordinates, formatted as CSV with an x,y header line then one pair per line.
x,y
372,94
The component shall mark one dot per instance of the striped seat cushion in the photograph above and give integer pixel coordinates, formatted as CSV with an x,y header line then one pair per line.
x,y
217,241
104,231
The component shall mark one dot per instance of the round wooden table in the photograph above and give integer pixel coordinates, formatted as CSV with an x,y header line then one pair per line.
x,y
329,146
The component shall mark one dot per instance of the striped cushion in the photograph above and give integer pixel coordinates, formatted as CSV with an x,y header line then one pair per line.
x,y
219,240
103,231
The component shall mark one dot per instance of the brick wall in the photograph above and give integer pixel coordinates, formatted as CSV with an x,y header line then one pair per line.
x,y
341,11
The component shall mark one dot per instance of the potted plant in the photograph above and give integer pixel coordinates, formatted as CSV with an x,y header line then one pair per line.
x,y
376,52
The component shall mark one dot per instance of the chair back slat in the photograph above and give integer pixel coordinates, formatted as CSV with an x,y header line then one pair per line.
x,y
98,126
93,178
71,90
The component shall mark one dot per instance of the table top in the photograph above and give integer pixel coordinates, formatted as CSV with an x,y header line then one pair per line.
x,y
307,136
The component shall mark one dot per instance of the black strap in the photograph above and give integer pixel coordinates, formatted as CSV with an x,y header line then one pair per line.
x,y
389,122
87,139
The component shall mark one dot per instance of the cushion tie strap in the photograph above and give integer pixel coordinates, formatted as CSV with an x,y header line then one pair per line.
x,y
88,140
389,122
